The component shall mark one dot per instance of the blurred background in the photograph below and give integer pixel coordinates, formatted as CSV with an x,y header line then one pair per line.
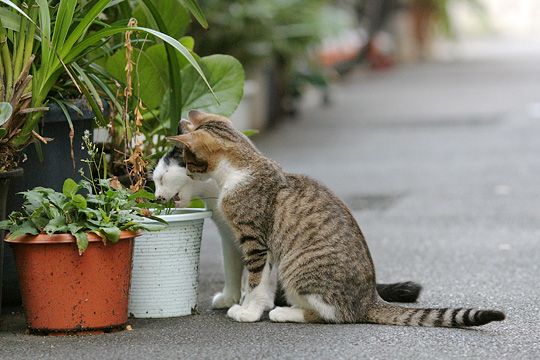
x,y
424,117
294,49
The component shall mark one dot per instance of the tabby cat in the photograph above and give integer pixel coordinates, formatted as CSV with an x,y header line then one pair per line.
x,y
171,182
290,226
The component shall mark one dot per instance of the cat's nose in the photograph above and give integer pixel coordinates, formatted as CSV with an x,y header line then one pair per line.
x,y
160,198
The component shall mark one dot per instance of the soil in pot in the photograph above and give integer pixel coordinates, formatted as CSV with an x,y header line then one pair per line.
x,y
63,291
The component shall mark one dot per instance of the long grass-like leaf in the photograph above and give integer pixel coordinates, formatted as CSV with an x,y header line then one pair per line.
x,y
29,47
64,20
6,62
10,20
100,119
65,111
14,6
196,10
19,50
45,30
94,38
83,26
175,81
107,90
83,77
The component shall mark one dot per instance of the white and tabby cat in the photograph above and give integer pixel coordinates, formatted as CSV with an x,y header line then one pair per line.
x,y
171,182
293,228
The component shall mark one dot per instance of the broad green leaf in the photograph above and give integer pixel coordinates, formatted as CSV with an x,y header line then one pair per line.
x,y
5,112
188,42
39,219
79,201
150,72
25,228
82,241
142,194
3,133
58,199
74,228
70,187
56,225
174,16
111,233
225,75
173,66
33,200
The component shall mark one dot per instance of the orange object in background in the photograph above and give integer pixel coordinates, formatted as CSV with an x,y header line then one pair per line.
x,y
63,291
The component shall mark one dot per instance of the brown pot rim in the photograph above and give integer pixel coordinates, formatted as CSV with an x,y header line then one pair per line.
x,y
64,238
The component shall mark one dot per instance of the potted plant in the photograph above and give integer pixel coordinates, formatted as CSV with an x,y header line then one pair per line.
x,y
73,251
50,56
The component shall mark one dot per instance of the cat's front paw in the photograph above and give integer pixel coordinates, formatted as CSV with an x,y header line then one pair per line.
x,y
223,301
243,314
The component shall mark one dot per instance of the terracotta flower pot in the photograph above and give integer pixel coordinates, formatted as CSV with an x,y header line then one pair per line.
x,y
63,291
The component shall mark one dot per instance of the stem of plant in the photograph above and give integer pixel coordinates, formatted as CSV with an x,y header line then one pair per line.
x,y
2,83
19,51
28,47
6,59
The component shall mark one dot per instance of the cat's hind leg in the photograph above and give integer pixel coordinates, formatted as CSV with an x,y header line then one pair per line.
x,y
288,314
307,309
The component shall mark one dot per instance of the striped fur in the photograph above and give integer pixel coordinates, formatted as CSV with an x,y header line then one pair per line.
x,y
294,224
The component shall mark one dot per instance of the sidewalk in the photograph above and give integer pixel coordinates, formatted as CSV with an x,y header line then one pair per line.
x,y
441,165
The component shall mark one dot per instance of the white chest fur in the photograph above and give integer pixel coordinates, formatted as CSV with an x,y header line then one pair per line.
x,y
228,178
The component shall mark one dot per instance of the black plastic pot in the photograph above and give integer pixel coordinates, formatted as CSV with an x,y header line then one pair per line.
x,y
5,180
56,166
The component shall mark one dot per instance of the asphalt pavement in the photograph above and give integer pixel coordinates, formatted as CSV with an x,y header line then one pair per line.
x,y
440,163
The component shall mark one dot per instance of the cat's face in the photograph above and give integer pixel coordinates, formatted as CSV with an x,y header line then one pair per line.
x,y
207,139
171,180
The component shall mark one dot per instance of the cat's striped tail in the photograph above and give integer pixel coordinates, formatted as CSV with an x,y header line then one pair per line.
x,y
390,314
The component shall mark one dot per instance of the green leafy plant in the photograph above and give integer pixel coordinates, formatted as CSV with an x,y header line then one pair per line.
x,y
46,51
105,213
94,204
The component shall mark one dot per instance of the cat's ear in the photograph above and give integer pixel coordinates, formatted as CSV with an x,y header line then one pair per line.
x,y
196,117
185,126
184,139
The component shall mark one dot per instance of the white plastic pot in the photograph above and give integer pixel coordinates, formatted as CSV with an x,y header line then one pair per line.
x,y
165,271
